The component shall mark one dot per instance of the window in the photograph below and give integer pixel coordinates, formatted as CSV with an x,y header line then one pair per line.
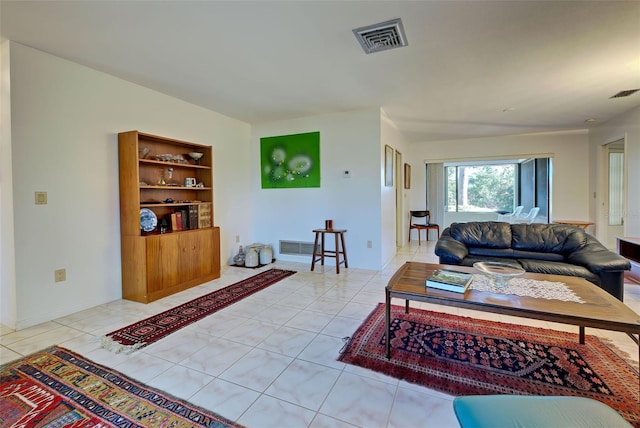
x,y
616,188
481,188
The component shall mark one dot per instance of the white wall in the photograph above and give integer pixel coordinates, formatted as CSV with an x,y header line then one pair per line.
x,y
7,260
569,150
348,141
65,120
389,135
625,126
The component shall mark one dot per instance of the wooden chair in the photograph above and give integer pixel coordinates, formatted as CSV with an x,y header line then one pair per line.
x,y
422,225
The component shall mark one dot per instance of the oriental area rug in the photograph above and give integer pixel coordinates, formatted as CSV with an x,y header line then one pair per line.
x,y
58,388
149,330
465,356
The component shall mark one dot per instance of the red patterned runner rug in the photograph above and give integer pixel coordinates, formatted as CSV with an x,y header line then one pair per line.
x,y
147,331
58,388
466,356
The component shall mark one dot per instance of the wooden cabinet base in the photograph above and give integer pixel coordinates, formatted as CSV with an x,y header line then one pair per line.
x,y
157,266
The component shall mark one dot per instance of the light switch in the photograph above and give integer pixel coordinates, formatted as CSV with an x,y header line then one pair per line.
x,y
41,198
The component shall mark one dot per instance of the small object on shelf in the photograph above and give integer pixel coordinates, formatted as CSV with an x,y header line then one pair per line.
x,y
164,225
179,159
204,216
450,280
240,257
252,259
266,255
196,157
143,152
164,157
148,220
498,273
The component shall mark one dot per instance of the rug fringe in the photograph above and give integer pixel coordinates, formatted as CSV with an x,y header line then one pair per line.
x,y
346,340
111,345
619,352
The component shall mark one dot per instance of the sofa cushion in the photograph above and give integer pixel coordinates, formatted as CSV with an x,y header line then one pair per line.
x,y
548,238
491,252
557,268
553,257
485,234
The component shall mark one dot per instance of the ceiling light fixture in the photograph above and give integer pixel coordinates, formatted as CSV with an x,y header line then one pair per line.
x,y
382,36
591,120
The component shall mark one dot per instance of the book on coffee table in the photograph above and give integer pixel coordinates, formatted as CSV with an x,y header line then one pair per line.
x,y
450,280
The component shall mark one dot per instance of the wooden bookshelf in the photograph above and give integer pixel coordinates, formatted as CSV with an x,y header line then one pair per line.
x,y
159,262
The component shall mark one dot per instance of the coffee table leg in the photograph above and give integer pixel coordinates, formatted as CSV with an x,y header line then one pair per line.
x,y
387,320
582,335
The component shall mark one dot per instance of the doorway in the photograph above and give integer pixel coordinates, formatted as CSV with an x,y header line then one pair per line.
x,y
615,191
400,217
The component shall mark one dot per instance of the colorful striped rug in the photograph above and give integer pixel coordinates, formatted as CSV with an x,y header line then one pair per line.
x,y
58,388
149,330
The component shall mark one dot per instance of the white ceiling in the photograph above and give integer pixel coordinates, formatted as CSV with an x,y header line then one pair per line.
x,y
472,68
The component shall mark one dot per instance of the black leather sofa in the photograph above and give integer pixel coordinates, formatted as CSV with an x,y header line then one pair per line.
x,y
541,248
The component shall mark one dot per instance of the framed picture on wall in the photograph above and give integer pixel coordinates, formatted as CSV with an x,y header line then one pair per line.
x,y
407,176
388,166
290,161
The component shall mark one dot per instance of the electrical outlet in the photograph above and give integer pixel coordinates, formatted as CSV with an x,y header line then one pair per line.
x,y
237,238
60,275
369,244
41,198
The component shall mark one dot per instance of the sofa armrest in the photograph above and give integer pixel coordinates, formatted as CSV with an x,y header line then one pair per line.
x,y
599,260
451,249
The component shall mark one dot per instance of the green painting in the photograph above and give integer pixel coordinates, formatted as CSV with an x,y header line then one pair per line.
x,y
290,161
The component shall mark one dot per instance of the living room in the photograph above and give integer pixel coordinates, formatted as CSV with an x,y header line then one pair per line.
x,y
59,136
79,112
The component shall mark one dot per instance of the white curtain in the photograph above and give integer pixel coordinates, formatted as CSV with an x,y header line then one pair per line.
x,y
435,192
616,188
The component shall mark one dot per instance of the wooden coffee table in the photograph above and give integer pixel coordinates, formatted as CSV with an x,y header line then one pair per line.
x,y
600,310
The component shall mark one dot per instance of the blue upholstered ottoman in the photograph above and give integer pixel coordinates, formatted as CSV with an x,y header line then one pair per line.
x,y
522,411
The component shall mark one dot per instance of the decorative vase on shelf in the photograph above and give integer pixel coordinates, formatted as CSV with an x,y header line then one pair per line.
x,y
239,258
252,258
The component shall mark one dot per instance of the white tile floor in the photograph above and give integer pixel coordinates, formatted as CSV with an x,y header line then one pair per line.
x,y
270,360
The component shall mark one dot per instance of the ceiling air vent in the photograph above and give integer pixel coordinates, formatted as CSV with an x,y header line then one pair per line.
x,y
380,37
625,93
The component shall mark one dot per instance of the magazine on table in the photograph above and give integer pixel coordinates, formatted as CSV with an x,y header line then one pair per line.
x,y
450,280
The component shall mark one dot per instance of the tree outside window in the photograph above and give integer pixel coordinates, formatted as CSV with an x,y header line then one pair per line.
x,y
481,188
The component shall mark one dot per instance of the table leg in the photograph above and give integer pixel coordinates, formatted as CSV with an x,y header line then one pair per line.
x,y
315,252
335,235
344,251
387,318
406,306
322,250
582,335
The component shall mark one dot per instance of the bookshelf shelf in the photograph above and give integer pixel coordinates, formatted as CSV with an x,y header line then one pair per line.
x,y
155,264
